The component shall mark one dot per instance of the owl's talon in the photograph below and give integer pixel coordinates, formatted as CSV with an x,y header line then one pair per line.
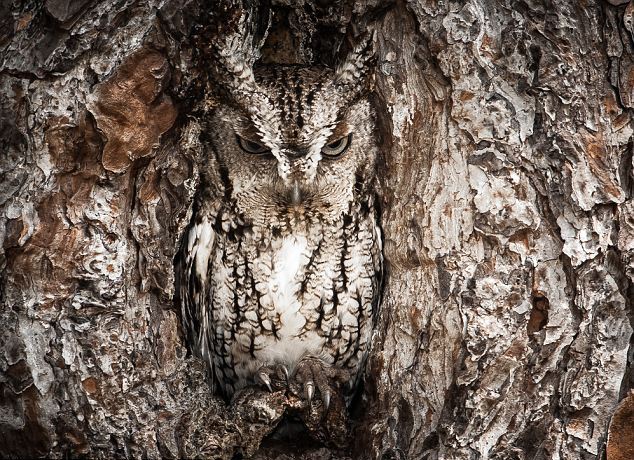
x,y
314,375
265,380
285,372
325,397
309,387
273,376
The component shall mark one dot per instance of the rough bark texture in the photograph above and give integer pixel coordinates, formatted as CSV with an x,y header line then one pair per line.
x,y
507,208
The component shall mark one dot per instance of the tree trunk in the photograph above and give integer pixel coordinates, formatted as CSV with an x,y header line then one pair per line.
x,y
507,209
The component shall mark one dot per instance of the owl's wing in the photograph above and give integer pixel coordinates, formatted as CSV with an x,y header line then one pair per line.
x,y
194,287
379,272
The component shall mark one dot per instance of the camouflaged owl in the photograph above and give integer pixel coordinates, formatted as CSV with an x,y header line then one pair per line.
x,y
280,269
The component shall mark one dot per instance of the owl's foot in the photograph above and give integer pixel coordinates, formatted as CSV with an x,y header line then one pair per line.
x,y
325,419
274,377
313,374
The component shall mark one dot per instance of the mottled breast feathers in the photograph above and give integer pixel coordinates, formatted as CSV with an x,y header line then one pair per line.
x,y
282,261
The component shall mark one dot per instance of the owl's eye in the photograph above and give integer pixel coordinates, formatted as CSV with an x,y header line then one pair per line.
x,y
252,147
336,149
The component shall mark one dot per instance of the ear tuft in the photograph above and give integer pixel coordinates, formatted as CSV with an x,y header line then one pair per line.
x,y
236,49
356,66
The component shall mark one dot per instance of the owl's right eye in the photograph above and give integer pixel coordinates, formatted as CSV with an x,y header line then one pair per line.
x,y
251,147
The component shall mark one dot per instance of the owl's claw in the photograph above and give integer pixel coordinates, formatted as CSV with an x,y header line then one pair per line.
x,y
309,387
265,380
325,397
274,377
285,372
312,372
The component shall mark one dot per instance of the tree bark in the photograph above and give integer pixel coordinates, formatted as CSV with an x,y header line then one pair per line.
x,y
507,196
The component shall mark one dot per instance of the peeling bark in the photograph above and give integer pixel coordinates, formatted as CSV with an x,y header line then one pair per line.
x,y
620,441
507,209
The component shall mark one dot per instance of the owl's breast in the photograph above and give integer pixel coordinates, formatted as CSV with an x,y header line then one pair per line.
x,y
279,298
280,272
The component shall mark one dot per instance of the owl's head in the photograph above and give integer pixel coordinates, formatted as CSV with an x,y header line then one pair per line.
x,y
292,139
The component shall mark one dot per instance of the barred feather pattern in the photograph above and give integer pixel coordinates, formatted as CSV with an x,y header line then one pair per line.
x,y
272,295
283,256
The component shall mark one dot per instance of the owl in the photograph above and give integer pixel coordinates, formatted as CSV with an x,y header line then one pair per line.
x,y
280,269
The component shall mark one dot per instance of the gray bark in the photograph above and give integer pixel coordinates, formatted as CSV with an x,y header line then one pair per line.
x,y
507,208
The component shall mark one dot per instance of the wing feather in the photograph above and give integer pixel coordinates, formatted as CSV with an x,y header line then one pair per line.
x,y
194,287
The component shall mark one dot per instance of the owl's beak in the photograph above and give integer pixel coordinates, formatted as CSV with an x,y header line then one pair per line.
x,y
296,193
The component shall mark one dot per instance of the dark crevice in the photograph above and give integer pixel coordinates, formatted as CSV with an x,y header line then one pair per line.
x,y
539,314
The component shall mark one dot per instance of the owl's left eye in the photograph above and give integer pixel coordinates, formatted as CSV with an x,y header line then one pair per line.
x,y
251,146
336,149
